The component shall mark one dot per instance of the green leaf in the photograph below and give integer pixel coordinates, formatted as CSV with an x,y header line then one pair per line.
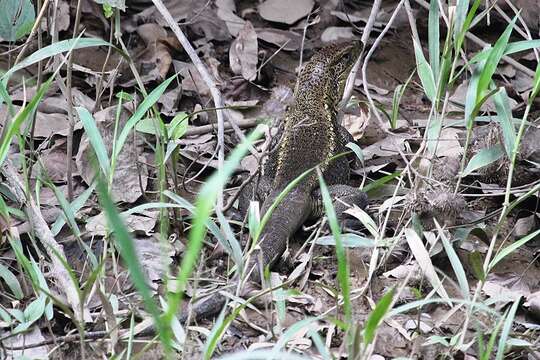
x,y
343,266
434,37
117,4
75,206
147,103
493,59
204,205
475,260
178,126
94,136
483,158
52,50
289,334
147,126
348,240
511,248
126,247
455,262
376,316
21,117
462,7
507,327
11,281
536,84
16,18
424,72
511,48
505,119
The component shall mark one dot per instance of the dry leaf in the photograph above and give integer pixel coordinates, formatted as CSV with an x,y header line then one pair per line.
x,y
287,40
243,53
337,33
126,186
285,11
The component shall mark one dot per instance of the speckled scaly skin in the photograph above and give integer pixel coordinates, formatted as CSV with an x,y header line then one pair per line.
x,y
311,136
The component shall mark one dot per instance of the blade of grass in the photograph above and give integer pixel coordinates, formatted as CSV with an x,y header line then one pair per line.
x,y
507,327
343,266
94,136
204,204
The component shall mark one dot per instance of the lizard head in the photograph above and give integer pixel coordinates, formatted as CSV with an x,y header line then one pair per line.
x,y
325,75
341,59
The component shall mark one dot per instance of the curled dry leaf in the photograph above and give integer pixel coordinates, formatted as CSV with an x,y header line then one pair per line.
x,y
448,143
285,11
143,223
191,79
53,163
243,53
154,61
226,13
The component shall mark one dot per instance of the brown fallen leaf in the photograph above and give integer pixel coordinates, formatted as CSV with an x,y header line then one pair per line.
x,y
125,186
285,11
243,53
287,40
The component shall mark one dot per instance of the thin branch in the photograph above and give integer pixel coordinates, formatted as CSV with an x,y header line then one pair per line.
x,y
207,78
69,98
366,60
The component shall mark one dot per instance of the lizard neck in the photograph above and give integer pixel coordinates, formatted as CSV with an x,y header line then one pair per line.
x,y
318,90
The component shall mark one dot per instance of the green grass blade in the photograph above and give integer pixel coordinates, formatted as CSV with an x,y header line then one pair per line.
x,y
376,316
493,59
455,262
75,206
505,119
52,50
434,38
511,248
94,136
205,202
21,117
483,158
147,103
424,72
126,247
343,265
507,327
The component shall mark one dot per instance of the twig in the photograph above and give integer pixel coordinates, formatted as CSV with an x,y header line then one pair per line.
x,y
204,129
207,78
54,250
69,98
37,24
368,56
349,86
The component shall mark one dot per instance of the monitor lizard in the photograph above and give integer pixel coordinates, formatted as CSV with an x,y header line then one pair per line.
x,y
310,136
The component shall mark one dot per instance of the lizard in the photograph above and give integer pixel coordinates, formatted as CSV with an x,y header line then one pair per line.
x,y
310,136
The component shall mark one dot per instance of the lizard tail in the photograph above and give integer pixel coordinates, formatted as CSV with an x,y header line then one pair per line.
x,y
204,309
286,218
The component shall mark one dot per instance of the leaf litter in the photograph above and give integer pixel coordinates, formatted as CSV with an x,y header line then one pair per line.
x,y
252,50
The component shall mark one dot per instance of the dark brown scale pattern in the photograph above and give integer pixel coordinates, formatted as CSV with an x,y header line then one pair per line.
x,y
311,136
